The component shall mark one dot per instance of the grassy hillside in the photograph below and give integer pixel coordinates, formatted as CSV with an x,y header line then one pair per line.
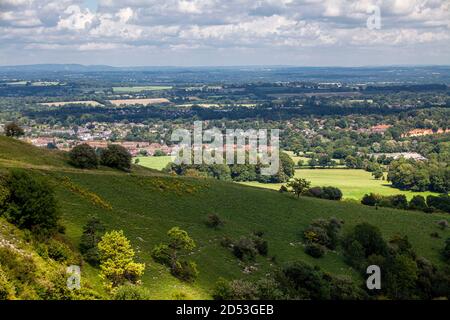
x,y
146,204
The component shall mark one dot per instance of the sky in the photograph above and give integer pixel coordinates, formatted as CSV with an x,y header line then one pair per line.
x,y
225,32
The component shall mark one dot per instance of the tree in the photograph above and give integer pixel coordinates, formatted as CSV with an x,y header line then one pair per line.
x,y
378,174
90,238
31,203
167,254
298,186
418,203
12,129
371,199
117,260
83,156
116,156
180,240
368,238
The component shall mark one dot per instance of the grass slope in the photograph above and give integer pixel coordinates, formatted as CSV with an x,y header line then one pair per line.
x,y
145,204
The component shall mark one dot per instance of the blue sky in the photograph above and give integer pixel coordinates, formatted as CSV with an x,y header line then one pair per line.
x,y
219,32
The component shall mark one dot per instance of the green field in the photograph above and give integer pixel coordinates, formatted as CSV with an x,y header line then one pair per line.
x,y
354,183
140,89
157,163
146,204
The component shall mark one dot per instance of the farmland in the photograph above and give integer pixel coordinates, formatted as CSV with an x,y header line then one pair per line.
x,y
64,103
138,89
354,183
144,102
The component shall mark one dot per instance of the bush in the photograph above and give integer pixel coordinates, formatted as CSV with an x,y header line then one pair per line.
x,y
131,292
92,233
83,156
58,251
116,156
261,245
214,221
31,203
12,129
399,201
331,193
7,289
361,242
185,270
441,202
304,281
245,249
443,224
117,260
162,254
315,250
371,199
283,189
418,203
323,232
314,192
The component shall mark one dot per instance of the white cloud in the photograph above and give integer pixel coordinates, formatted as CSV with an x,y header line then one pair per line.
x,y
76,18
193,25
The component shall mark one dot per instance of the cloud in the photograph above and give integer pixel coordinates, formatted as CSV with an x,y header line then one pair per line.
x,y
195,25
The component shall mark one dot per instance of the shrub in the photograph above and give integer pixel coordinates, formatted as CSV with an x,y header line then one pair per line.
x,y
131,292
314,192
443,224
90,238
304,281
361,242
315,250
323,232
12,129
399,201
283,189
244,248
441,202
83,156
418,203
7,289
117,259
162,254
371,199
214,221
31,203
58,251
331,193
116,156
261,245
185,270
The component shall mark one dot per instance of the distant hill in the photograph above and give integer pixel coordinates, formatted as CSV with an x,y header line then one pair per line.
x,y
146,204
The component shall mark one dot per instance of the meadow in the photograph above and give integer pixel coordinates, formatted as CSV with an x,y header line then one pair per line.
x,y
157,163
145,204
354,183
